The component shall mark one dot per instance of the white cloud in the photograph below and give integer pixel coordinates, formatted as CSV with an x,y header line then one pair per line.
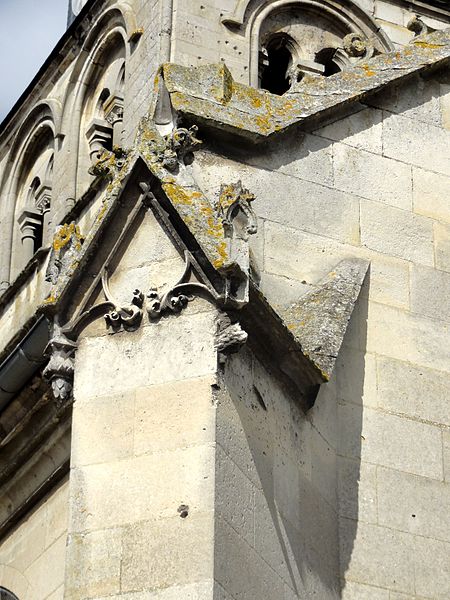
x,y
29,30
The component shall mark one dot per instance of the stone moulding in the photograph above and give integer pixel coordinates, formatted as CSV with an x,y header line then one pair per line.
x,y
209,95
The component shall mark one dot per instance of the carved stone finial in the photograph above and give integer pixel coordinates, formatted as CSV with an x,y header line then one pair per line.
x,y
417,26
357,46
60,369
230,337
66,244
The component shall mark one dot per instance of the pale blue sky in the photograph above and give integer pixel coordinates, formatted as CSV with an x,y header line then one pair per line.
x,y
29,30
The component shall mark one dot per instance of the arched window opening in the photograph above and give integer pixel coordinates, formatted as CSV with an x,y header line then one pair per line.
x,y
275,65
34,202
326,57
7,595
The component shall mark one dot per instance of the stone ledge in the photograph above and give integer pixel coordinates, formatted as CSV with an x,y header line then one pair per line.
x,y
208,95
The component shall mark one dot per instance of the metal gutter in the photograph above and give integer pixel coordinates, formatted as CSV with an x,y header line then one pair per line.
x,y
23,362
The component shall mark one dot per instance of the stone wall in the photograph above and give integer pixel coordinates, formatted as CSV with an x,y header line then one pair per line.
x,y
142,468
32,556
276,533
374,184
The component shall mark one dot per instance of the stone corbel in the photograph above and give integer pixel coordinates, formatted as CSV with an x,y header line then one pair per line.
x,y
230,336
418,27
109,163
60,369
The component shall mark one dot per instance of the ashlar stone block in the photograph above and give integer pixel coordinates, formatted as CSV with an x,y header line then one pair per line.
x,y
411,390
362,129
391,564
164,351
442,246
430,194
391,441
372,176
398,233
413,504
102,492
416,142
93,564
408,337
178,414
168,552
431,576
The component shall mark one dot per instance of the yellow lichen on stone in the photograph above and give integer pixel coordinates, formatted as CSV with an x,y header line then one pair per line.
x,y
64,235
422,44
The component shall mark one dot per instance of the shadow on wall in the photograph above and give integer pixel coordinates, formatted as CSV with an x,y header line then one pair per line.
x,y
277,475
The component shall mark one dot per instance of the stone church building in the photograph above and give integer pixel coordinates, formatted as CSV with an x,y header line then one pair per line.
x,y
225,305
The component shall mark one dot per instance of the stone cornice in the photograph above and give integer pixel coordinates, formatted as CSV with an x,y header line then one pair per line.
x,y
209,95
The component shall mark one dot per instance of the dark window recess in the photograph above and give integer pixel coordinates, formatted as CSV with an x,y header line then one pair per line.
x,y
6,595
325,58
274,76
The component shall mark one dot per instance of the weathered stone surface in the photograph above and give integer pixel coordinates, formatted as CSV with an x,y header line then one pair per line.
x,y
371,176
413,504
408,389
362,129
396,232
416,142
212,97
319,320
390,441
384,546
359,591
430,194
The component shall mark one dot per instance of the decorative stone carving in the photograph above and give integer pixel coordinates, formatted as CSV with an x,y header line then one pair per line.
x,y
113,109
109,163
234,202
357,46
230,337
178,296
128,315
67,242
178,147
60,369
234,198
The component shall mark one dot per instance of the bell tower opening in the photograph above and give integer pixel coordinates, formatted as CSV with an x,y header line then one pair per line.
x,y
276,62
